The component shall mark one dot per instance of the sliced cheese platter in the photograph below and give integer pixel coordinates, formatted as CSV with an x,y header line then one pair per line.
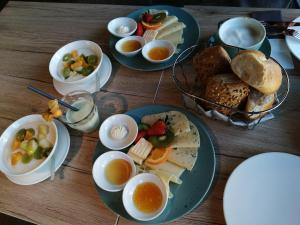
x,y
175,28
186,162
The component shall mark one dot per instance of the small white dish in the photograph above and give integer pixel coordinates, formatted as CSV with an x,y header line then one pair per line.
x,y
7,137
99,170
118,120
114,26
104,74
264,190
292,42
63,145
82,47
155,44
120,43
128,192
242,32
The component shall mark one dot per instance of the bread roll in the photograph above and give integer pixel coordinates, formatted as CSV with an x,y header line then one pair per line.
x,y
227,90
257,71
258,102
211,61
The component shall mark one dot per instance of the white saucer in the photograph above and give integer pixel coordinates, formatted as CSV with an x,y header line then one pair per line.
x,y
294,43
104,74
60,155
264,190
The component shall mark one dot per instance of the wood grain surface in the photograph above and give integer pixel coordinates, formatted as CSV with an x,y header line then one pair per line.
x,y
30,33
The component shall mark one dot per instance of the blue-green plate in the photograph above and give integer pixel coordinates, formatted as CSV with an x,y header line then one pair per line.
x,y
215,40
196,183
191,36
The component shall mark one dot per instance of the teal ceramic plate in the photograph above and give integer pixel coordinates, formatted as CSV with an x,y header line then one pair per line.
x,y
196,183
215,40
191,36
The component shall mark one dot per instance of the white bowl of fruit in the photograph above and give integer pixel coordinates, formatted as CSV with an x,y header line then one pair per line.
x,y
27,145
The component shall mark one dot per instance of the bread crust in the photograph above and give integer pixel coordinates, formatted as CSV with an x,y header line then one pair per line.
x,y
258,102
252,67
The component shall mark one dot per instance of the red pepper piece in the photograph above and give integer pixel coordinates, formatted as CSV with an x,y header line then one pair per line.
x,y
157,129
139,30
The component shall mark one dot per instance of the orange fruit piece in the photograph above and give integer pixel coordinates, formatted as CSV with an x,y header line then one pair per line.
x,y
151,26
159,155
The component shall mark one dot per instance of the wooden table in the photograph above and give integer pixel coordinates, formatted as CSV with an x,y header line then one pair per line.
x,y
29,35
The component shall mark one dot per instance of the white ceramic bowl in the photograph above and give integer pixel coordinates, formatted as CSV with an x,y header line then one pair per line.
x,y
114,121
6,140
155,44
242,32
83,47
119,44
129,191
116,23
99,170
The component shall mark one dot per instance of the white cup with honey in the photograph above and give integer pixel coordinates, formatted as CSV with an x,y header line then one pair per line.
x,y
130,46
112,170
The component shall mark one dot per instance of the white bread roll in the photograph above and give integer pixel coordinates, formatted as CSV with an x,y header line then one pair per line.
x,y
258,102
253,68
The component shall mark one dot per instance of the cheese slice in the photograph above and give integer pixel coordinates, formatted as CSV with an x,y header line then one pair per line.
x,y
184,157
170,29
176,121
167,167
135,158
189,139
141,149
168,21
150,35
175,38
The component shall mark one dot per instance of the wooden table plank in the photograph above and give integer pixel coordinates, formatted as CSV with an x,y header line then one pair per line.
x,y
31,32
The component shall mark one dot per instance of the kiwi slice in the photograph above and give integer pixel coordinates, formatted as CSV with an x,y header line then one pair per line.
x,y
162,141
158,17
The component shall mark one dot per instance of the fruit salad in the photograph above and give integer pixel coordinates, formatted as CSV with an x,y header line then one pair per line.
x,y
78,65
29,144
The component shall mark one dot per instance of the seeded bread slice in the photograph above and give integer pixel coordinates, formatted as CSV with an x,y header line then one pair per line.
x,y
226,89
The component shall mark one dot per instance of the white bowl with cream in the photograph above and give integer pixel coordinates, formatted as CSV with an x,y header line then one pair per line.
x,y
156,45
129,198
6,140
100,167
118,131
122,45
242,32
122,26
82,47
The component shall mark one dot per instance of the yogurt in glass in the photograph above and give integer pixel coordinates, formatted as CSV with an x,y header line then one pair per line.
x,y
86,119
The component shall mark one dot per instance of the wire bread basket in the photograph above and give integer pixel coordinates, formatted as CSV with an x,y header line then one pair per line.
x,y
184,76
